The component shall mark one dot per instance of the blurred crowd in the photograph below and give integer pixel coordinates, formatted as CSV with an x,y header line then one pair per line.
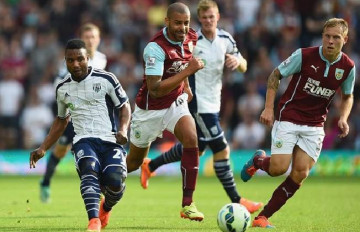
x,y
33,34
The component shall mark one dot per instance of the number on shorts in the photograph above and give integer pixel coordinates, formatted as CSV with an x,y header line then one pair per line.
x,y
118,154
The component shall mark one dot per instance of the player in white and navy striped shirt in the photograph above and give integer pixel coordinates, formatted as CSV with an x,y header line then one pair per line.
x,y
90,34
91,96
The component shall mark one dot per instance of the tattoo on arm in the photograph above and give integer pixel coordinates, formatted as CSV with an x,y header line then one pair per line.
x,y
274,80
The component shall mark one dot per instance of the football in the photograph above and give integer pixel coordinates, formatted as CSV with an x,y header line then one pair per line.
x,y
233,217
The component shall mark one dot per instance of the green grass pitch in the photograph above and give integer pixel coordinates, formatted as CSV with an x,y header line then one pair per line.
x,y
322,204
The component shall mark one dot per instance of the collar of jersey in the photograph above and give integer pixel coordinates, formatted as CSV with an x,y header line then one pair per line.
x,y
326,60
168,39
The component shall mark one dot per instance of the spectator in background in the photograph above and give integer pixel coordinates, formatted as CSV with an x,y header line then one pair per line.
x,y
36,120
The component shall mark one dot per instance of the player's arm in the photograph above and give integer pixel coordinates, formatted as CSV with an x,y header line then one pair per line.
x,y
159,88
347,101
124,121
56,130
233,59
267,116
187,89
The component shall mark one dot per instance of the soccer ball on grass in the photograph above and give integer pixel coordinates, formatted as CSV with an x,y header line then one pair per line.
x,y
233,217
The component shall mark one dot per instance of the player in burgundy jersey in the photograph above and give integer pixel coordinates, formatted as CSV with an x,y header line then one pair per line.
x,y
298,130
161,103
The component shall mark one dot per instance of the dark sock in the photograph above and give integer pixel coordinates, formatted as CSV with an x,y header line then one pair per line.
x,y
90,192
262,162
189,171
112,198
226,177
50,169
171,156
284,192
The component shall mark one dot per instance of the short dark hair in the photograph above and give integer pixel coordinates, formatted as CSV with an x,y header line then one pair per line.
x,y
75,44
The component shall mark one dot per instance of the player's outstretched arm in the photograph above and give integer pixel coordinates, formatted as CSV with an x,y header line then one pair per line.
x,y
347,101
56,130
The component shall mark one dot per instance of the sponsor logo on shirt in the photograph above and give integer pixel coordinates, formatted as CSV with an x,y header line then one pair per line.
x,y
313,87
177,67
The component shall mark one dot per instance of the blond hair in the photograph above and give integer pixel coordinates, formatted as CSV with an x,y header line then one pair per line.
x,y
204,5
88,27
333,22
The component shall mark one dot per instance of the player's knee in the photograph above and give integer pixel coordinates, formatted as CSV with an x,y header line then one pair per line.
x,y
219,145
88,166
114,177
190,140
299,175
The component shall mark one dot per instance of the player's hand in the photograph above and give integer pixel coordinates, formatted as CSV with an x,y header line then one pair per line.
x,y
344,127
267,117
121,137
231,61
35,156
195,64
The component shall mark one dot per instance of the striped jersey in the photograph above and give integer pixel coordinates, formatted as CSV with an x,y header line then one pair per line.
x,y
313,85
164,57
91,103
207,84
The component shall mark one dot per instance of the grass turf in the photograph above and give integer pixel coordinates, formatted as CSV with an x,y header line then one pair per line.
x,y
322,204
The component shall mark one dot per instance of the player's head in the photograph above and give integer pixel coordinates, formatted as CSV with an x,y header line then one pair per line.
x,y
177,21
334,36
76,58
208,14
90,34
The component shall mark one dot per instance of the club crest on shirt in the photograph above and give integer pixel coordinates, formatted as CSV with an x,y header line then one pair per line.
x,y
97,87
191,46
339,73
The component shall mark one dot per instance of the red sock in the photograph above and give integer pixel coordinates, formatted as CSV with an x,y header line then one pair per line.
x,y
284,192
262,162
189,171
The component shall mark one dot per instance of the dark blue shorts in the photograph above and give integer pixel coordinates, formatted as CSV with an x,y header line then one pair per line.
x,y
208,128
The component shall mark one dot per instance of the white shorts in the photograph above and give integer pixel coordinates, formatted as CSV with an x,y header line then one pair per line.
x,y
285,135
147,125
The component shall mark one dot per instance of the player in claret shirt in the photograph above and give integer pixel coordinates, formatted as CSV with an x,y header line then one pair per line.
x,y
161,103
298,130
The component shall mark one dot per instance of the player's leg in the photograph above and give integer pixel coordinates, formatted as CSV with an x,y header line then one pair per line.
x,y
301,166
226,177
62,147
88,167
114,173
145,127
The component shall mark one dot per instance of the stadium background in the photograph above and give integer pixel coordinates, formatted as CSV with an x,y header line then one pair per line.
x,y
33,34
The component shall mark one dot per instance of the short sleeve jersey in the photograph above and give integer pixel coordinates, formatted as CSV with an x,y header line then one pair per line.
x,y
207,83
164,57
91,103
313,85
